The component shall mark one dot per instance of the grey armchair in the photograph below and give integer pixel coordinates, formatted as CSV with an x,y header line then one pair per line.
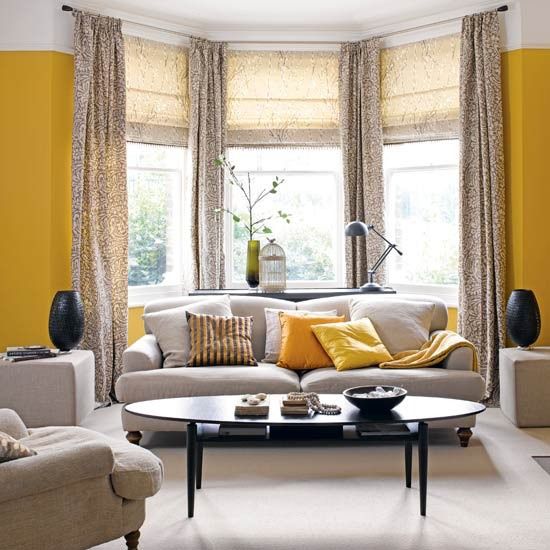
x,y
80,490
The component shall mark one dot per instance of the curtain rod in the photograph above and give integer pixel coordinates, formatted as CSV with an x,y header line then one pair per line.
x,y
503,8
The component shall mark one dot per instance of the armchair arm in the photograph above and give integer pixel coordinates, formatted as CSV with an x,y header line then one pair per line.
x,y
11,424
143,354
49,470
458,359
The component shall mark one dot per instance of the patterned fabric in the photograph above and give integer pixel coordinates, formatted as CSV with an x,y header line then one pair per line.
x,y
282,98
482,195
100,208
157,92
419,88
362,151
207,85
11,449
219,340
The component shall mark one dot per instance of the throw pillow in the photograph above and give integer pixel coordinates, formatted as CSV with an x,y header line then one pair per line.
x,y
352,345
172,333
402,325
273,329
220,341
11,449
300,350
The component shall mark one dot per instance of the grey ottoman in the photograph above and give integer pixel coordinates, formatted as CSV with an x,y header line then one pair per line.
x,y
525,386
50,392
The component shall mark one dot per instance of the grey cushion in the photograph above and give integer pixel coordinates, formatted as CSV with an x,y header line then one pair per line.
x,y
431,382
11,423
222,380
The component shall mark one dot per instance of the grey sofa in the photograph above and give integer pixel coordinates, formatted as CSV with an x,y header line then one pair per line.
x,y
144,378
80,490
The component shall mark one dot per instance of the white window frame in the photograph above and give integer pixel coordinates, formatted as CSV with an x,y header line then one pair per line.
x,y
140,295
447,293
228,230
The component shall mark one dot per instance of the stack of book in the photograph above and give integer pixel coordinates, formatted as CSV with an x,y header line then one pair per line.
x,y
244,408
28,353
297,407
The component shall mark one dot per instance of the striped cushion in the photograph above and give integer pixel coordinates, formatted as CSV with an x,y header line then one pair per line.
x,y
220,340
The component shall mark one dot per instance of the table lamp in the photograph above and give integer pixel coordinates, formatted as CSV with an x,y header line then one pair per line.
x,y
361,229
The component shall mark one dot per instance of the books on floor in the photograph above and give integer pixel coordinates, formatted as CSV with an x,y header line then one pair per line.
x,y
16,354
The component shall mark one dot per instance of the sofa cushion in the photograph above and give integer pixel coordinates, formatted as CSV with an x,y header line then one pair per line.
x,y
172,332
430,382
222,380
11,423
12,449
401,324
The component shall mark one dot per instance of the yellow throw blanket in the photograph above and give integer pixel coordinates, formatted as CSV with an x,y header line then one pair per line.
x,y
435,350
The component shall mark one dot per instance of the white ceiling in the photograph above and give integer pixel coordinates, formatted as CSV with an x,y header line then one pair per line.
x,y
282,15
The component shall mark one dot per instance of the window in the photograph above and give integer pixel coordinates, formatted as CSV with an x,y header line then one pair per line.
x,y
422,216
155,228
311,193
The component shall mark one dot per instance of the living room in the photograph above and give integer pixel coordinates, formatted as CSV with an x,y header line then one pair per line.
x,y
274,275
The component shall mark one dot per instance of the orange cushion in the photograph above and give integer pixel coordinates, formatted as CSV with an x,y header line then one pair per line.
x,y
300,349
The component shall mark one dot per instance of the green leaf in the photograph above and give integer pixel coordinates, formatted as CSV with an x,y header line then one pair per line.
x,y
217,210
236,218
287,220
273,191
266,230
218,162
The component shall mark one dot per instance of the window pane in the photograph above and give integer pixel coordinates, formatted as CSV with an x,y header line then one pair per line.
x,y
154,214
422,211
310,194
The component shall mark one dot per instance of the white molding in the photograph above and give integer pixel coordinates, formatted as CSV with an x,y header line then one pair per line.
x,y
139,296
447,293
34,47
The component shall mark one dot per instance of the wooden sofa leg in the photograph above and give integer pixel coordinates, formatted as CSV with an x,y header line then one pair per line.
x,y
464,435
134,437
132,539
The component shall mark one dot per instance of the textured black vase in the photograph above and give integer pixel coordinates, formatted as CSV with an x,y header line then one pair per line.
x,y
66,320
523,317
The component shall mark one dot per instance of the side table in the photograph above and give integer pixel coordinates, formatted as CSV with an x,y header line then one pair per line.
x,y
59,391
525,386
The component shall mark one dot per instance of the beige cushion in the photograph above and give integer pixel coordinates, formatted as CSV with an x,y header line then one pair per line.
x,y
431,381
273,330
172,331
222,380
402,325
11,423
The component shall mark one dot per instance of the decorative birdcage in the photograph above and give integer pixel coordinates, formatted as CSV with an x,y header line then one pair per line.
x,y
272,268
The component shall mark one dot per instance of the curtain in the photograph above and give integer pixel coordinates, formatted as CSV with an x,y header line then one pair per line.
x,y
420,90
482,194
362,152
207,86
100,211
157,92
282,98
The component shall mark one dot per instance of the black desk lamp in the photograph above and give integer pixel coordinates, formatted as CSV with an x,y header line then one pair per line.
x,y
360,229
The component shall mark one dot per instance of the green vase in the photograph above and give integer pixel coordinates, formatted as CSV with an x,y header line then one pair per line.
x,y
253,264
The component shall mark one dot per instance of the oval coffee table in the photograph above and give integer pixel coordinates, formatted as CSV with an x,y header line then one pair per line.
x,y
415,412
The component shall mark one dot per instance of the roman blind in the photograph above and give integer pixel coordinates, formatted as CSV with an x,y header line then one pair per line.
x,y
157,95
420,89
282,98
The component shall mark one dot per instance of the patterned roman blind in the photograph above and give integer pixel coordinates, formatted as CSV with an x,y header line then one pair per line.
x,y
420,89
282,98
157,94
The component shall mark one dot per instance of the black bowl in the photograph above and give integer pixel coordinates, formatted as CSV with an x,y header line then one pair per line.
x,y
374,405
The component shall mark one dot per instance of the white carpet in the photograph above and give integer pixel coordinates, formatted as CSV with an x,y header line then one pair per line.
x,y
492,495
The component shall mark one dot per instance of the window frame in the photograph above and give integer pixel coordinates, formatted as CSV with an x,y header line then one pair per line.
x,y
139,295
339,260
447,293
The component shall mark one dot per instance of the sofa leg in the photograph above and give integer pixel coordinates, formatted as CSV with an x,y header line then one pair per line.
x,y
134,437
132,539
464,435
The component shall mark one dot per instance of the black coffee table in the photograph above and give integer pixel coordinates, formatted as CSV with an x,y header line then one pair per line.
x,y
201,412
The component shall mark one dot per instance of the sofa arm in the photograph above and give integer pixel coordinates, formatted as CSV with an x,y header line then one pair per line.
x,y
143,354
49,470
11,424
458,359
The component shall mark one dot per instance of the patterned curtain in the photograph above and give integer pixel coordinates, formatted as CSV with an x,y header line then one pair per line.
x,y
207,85
482,245
100,210
362,151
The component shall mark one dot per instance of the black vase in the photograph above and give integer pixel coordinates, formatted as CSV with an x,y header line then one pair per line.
x,y
523,317
66,324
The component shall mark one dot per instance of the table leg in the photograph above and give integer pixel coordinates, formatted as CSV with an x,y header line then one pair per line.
x,y
191,467
200,452
423,464
408,463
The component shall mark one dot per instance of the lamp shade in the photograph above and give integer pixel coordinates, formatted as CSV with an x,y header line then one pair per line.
x,y
357,229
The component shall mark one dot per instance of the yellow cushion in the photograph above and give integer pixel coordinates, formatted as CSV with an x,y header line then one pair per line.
x,y
299,348
352,345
